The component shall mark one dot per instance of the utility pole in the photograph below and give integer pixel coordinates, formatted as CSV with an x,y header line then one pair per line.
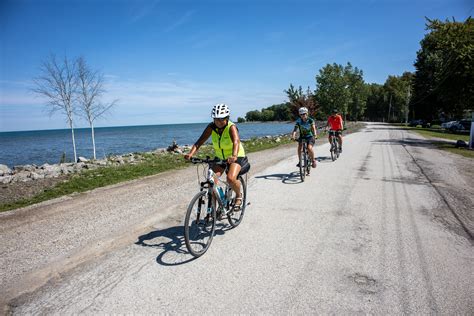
x,y
389,108
406,107
471,138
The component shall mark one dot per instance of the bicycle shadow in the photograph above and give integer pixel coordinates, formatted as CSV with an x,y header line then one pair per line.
x,y
324,159
291,178
172,245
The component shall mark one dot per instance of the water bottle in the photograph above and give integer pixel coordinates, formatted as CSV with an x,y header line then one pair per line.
x,y
221,194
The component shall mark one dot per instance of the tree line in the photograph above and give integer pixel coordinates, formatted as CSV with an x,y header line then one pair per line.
x,y
74,89
441,88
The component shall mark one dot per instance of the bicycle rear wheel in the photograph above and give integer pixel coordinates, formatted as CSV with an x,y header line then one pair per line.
x,y
199,224
235,218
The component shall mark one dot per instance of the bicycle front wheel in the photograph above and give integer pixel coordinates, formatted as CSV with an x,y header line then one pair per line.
x,y
302,171
199,224
235,218
308,164
333,149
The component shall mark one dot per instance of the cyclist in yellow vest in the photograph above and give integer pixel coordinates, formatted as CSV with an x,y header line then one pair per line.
x,y
227,146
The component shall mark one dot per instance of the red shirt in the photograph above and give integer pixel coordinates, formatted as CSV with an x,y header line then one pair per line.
x,y
335,122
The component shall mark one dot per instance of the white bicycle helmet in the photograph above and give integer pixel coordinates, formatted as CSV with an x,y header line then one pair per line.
x,y
303,110
220,110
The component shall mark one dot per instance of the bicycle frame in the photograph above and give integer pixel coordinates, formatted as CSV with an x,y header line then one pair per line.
x,y
213,187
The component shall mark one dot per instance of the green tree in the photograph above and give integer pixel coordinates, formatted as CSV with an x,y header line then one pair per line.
x,y
267,115
299,99
444,77
282,112
397,91
376,105
255,115
331,89
354,79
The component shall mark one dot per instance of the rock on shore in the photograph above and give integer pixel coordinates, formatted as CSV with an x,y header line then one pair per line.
x,y
26,173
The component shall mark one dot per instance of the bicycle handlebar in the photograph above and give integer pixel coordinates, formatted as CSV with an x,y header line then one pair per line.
x,y
208,160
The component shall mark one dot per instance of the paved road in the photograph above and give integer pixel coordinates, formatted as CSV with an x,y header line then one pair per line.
x,y
386,229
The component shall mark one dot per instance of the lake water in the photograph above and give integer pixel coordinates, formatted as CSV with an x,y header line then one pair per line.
x,y
47,146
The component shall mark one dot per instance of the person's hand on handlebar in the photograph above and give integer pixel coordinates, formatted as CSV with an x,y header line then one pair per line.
x,y
188,156
231,159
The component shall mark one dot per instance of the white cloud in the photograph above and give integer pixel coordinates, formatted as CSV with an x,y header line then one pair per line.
x,y
150,102
180,21
143,9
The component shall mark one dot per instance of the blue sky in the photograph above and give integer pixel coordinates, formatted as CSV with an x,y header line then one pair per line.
x,y
170,61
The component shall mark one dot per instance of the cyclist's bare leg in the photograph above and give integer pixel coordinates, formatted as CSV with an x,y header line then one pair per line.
x,y
330,139
234,183
311,152
311,155
339,138
300,148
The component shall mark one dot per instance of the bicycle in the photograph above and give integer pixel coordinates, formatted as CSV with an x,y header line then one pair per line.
x,y
335,147
304,161
201,215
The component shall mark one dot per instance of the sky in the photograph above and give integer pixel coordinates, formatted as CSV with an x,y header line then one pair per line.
x,y
170,61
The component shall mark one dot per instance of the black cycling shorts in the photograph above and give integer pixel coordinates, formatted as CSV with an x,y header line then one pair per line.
x,y
309,140
335,133
244,165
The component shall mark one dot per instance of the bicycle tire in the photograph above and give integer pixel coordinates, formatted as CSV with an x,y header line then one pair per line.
x,y
235,218
308,163
333,149
302,171
203,224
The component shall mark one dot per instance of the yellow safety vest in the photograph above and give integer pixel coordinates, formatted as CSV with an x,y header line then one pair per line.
x,y
223,143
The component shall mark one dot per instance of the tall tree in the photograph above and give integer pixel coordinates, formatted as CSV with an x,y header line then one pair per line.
x,y
354,79
332,89
90,89
444,77
299,99
397,90
376,105
57,82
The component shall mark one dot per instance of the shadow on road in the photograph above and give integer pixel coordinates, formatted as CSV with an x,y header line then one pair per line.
x,y
413,142
172,245
291,178
324,159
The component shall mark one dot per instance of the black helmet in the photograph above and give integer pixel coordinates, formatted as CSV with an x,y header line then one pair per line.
x,y
335,111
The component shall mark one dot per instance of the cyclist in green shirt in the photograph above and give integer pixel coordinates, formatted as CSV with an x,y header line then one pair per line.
x,y
308,133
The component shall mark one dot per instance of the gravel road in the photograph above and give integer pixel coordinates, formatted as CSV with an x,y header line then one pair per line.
x,y
386,229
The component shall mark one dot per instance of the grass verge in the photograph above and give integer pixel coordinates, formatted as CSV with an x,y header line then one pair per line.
x,y
459,151
441,133
152,164
436,133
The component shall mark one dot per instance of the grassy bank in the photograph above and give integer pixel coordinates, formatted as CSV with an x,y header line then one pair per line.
x,y
153,163
433,133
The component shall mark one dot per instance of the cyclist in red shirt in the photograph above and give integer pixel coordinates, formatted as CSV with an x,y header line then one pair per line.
x,y
335,124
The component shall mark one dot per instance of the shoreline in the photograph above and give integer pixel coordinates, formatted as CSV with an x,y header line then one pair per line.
x,y
32,184
55,146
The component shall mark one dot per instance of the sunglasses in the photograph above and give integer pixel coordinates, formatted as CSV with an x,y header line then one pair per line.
x,y
220,119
